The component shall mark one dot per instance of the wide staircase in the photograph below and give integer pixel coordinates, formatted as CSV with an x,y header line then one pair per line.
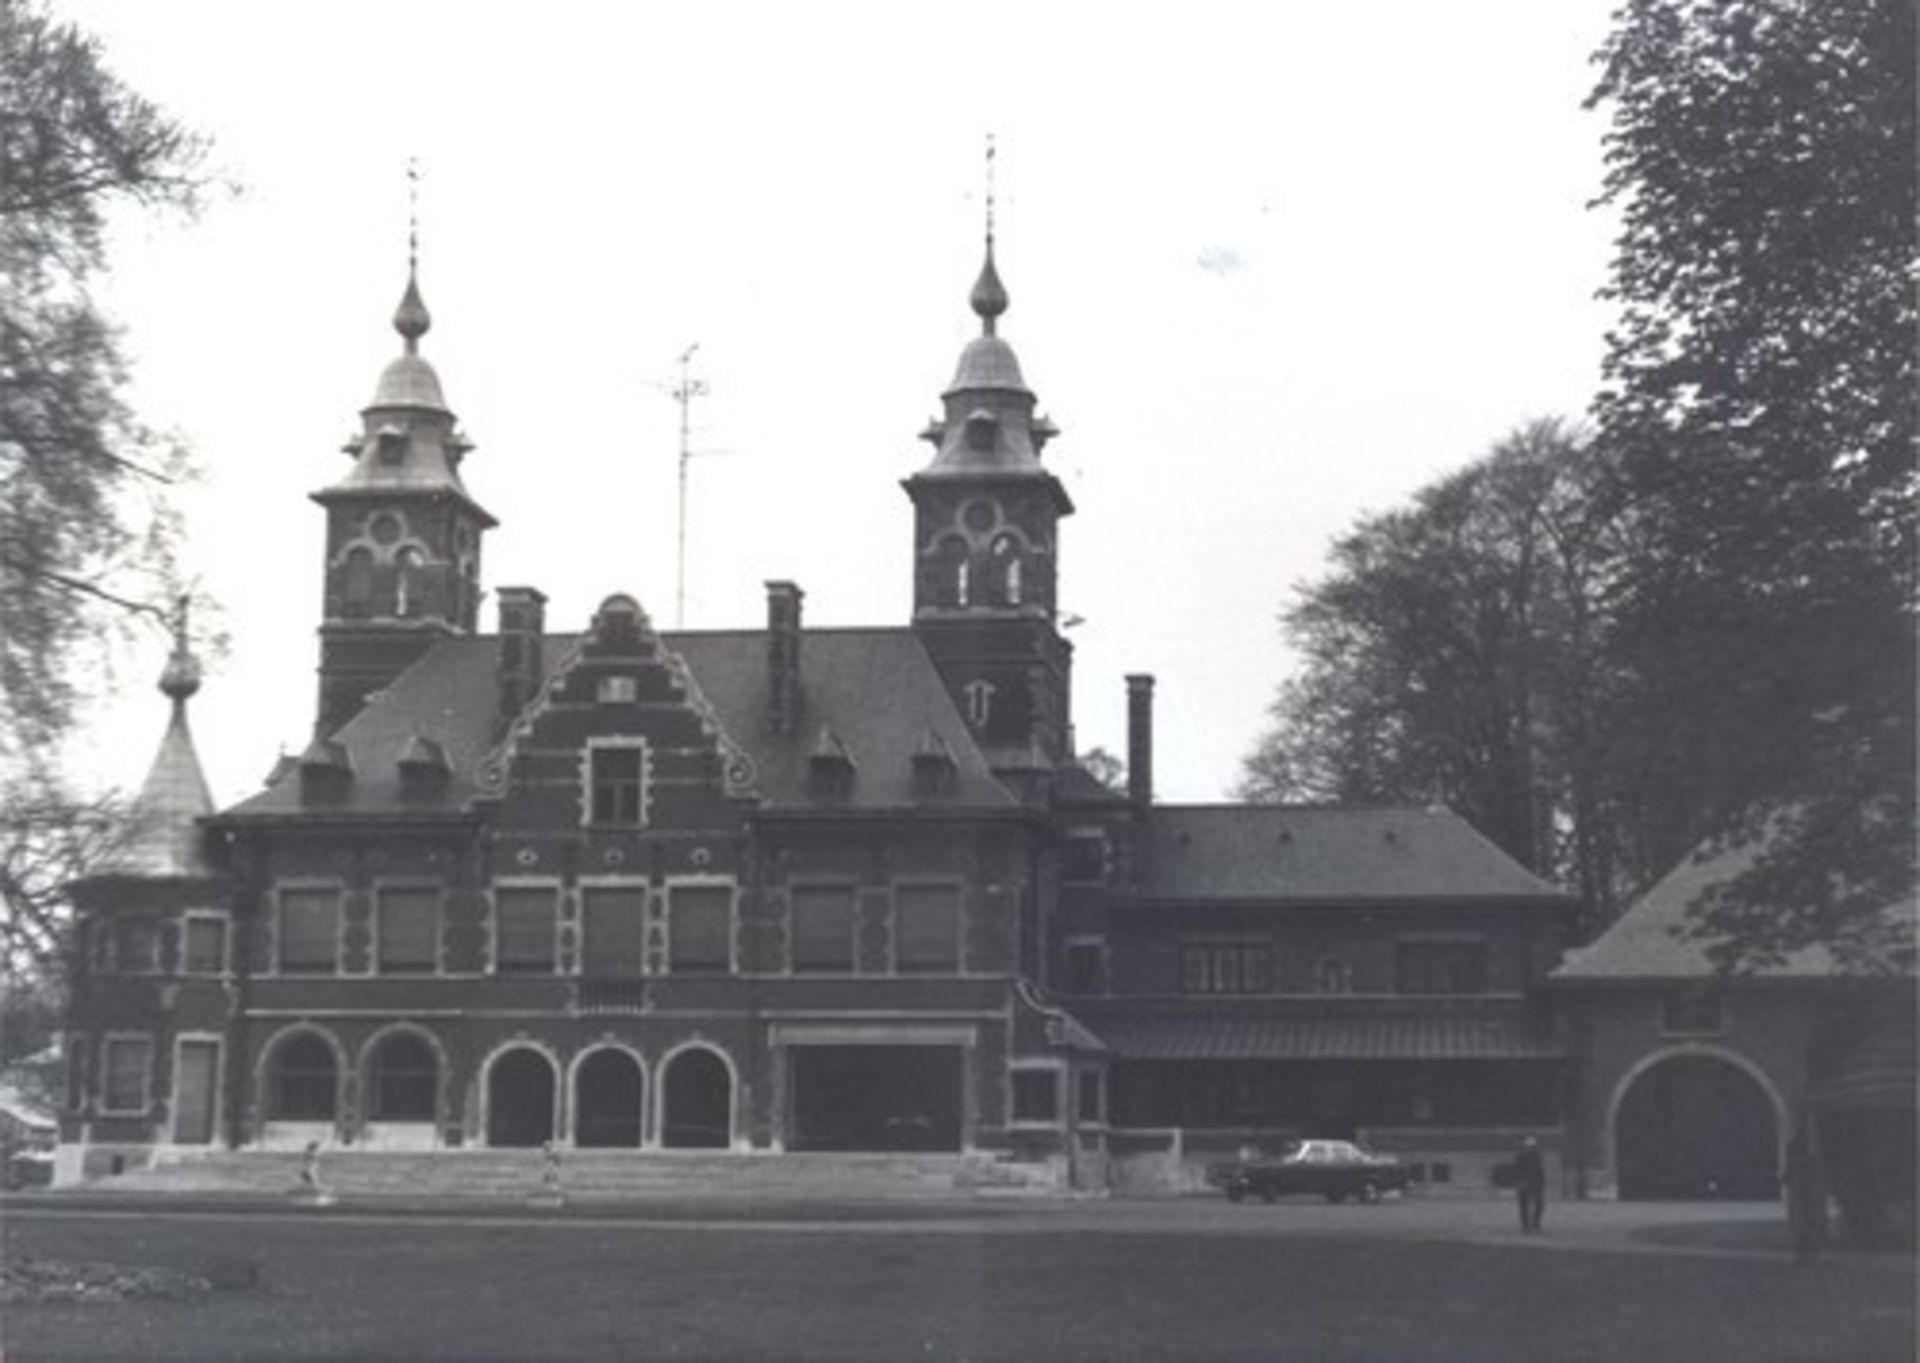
x,y
582,1176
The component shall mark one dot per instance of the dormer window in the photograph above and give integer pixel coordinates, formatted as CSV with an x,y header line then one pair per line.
x,y
391,442
617,784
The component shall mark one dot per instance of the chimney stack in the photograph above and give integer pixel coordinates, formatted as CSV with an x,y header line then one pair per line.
x,y
1140,739
783,657
523,623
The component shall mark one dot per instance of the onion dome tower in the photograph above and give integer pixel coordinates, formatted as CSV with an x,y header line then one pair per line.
x,y
986,565
403,534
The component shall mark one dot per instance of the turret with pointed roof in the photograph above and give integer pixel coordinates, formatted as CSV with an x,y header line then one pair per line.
x,y
403,533
986,565
163,838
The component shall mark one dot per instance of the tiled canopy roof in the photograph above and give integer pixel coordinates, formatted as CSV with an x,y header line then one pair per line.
x,y
875,689
1330,1030
162,838
1296,853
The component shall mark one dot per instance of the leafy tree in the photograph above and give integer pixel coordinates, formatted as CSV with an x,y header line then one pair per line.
x,y
1759,413
87,528
1454,655
85,534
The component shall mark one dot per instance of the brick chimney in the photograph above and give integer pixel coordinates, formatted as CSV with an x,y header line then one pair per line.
x,y
783,657
1140,739
523,623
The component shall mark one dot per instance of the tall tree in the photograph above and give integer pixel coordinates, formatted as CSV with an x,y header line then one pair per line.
x,y
1454,654
1759,410
84,530
87,527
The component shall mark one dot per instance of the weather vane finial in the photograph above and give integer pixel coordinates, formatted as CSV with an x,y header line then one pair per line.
x,y
413,214
412,318
989,191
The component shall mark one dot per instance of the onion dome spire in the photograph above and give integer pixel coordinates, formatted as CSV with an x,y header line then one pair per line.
x,y
411,319
989,297
162,837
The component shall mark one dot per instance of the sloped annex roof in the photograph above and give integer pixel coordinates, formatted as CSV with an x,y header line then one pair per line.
x,y
162,837
874,689
1299,853
1649,941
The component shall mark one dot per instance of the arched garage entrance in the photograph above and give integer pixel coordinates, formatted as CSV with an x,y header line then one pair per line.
x,y
696,1096
520,1098
608,1091
1696,1126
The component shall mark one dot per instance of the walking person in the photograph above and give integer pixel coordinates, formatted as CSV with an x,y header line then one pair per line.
x,y
1806,1197
1530,1185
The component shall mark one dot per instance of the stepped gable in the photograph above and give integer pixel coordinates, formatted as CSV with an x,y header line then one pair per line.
x,y
876,689
1331,855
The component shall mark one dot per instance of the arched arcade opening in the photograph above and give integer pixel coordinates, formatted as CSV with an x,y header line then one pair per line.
x,y
696,1102
520,1091
1696,1127
609,1092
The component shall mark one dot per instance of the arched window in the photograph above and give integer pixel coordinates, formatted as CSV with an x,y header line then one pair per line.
x,y
1333,976
402,1080
1006,585
356,580
406,586
303,1081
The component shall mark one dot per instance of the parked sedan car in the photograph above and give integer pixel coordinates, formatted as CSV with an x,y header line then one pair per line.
x,y
1335,1170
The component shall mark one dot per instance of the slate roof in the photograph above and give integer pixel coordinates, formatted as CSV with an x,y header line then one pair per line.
x,y
875,689
1299,853
1645,942
162,837
1324,1028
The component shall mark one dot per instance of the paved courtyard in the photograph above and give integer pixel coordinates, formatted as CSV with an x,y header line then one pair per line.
x,y
1195,1279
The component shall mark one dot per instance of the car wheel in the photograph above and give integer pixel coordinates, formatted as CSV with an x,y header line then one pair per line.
x,y
1369,1192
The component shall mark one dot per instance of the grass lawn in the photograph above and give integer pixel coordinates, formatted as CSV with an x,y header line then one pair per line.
x,y
995,1288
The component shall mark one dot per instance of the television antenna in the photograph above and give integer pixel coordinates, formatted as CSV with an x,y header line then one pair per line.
x,y
685,389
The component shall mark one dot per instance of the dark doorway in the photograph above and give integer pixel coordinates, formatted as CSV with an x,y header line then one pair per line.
x,y
696,1102
1696,1127
875,1097
520,1099
607,1094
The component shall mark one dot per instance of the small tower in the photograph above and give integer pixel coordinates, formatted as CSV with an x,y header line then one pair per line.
x,y
403,535
986,561
147,980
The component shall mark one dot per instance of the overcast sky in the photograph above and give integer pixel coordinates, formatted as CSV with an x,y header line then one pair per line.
x,y
1271,265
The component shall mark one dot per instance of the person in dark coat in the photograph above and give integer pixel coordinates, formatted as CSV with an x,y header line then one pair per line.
x,y
1806,1197
1530,1185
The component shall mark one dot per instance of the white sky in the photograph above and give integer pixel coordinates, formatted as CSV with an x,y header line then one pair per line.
x,y
1271,266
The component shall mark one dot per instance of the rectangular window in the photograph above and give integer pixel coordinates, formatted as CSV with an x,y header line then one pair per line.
x,y
1084,862
309,932
1091,1108
1086,971
1226,968
136,946
614,929
618,779
700,928
523,929
823,929
1036,1096
409,931
124,1071
1441,967
926,929
204,947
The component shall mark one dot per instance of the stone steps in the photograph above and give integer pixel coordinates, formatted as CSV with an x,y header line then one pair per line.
x,y
592,1174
